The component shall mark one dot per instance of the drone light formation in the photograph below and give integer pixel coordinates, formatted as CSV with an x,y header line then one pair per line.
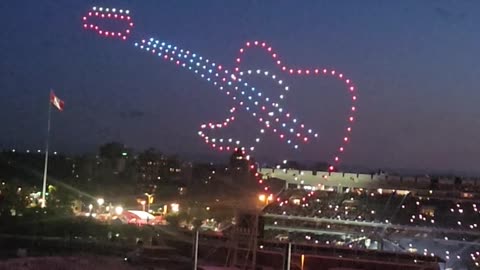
x,y
268,111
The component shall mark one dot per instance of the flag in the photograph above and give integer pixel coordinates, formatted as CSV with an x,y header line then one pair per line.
x,y
58,103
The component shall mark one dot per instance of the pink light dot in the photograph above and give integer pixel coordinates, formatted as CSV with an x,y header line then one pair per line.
x,y
345,139
100,32
127,31
284,68
352,88
353,109
351,118
340,75
336,158
305,139
331,168
89,13
241,50
347,81
121,17
238,60
354,97
341,149
256,42
96,13
299,71
263,44
281,136
84,18
116,15
103,15
109,15
298,134
91,25
220,67
316,71
128,18
324,71
291,71
307,71
269,49
278,62
85,26
96,27
333,72
274,55
248,44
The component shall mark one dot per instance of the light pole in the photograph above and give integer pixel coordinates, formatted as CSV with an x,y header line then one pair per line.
x,y
100,202
143,205
90,208
149,200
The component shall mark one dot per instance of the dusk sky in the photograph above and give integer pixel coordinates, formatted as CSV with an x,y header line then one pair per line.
x,y
414,62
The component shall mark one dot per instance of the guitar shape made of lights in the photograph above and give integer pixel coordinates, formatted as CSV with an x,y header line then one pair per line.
x,y
234,83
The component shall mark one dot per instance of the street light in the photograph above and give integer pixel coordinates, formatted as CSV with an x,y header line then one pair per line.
x,y
100,201
175,207
264,199
149,200
118,210
143,205
90,208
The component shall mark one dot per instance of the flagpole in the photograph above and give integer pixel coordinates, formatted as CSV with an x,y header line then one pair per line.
x,y
44,188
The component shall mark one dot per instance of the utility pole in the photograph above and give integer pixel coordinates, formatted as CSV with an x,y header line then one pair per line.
x,y
195,250
288,257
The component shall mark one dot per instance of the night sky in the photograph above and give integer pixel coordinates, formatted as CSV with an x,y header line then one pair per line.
x,y
415,64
